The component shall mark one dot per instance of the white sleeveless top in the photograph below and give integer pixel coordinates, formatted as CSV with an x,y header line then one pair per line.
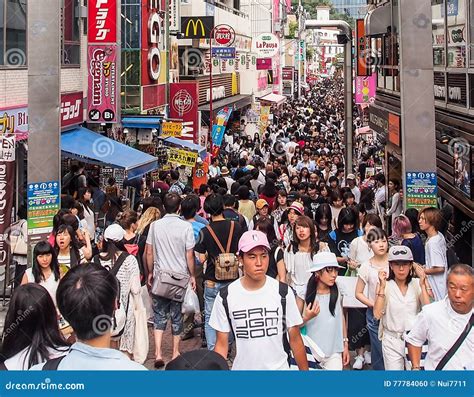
x,y
50,284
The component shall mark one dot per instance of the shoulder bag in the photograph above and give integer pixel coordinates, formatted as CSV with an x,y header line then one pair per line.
x,y
226,264
170,285
19,242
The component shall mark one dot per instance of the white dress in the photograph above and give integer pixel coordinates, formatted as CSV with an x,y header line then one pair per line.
x,y
129,279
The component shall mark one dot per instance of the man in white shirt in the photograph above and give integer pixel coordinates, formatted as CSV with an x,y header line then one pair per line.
x,y
441,324
251,308
214,170
435,251
306,163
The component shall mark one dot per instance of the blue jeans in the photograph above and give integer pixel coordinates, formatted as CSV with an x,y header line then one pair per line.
x,y
211,289
375,343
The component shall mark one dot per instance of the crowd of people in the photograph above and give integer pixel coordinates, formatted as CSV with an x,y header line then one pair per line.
x,y
266,249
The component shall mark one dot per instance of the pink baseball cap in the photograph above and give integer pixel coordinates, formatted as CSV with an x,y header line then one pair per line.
x,y
252,239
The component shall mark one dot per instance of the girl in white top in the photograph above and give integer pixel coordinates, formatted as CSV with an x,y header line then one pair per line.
x,y
299,255
31,334
45,269
67,249
321,309
368,276
396,202
399,300
85,198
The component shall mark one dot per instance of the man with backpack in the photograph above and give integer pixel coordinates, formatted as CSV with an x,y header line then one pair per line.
x,y
261,313
217,244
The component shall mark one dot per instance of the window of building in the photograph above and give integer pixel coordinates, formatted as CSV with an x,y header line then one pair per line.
x,y
471,21
12,33
456,12
439,36
71,39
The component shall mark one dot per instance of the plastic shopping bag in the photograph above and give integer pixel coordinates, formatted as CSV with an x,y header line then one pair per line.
x,y
191,302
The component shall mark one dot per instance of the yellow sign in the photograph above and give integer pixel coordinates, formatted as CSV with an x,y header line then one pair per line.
x,y
195,24
182,157
171,128
235,89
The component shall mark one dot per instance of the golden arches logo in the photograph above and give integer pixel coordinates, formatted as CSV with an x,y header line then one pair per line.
x,y
195,23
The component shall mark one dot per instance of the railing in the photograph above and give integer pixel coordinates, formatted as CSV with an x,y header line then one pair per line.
x,y
227,8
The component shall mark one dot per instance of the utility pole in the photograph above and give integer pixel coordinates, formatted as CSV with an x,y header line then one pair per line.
x,y
298,56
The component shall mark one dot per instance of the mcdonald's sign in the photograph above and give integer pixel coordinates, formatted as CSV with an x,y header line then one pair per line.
x,y
197,27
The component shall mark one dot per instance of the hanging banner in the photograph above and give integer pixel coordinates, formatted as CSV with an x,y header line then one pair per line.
x,y
218,128
266,45
365,89
264,63
362,50
182,157
102,87
264,117
7,180
171,128
184,100
102,21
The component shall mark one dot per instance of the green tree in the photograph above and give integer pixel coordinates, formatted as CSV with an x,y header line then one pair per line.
x,y
309,53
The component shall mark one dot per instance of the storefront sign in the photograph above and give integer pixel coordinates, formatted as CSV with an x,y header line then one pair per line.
x,y
439,86
266,45
394,129
184,106
71,109
422,189
301,51
362,50
174,19
102,21
102,87
7,180
224,35
182,157
365,89
223,52
43,204
387,123
264,63
14,121
457,88
171,128
287,73
218,92
197,27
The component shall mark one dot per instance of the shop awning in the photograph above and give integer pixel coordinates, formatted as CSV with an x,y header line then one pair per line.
x,y
236,102
187,145
142,122
274,98
91,147
363,130
378,20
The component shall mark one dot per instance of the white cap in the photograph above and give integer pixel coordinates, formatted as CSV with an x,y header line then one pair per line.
x,y
322,260
114,232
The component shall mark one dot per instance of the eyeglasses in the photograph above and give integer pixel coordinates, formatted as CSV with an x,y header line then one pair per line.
x,y
401,264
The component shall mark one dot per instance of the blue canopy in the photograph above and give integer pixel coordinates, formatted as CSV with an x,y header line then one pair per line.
x,y
188,145
91,147
142,122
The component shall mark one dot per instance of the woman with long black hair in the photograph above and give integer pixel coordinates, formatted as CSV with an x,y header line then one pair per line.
x,y
323,222
85,198
321,308
31,334
67,249
45,269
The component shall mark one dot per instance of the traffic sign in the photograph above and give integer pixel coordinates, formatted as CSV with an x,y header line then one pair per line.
x,y
223,52
224,35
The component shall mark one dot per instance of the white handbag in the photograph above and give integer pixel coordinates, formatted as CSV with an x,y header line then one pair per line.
x,y
141,342
18,241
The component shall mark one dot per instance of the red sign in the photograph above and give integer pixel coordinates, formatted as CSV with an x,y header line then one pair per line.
x,y
362,50
72,109
183,105
102,87
7,180
224,35
102,21
287,73
153,56
264,63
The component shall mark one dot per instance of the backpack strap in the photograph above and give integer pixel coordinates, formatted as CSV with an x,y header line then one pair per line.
x,y
53,364
224,293
118,263
3,367
213,235
456,345
283,291
231,234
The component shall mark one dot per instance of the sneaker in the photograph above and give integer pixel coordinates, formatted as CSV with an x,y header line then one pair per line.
x,y
367,357
358,363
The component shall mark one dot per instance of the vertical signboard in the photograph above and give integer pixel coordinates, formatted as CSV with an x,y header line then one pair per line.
x,y
102,83
362,50
43,205
102,106
153,55
184,100
422,189
7,178
365,89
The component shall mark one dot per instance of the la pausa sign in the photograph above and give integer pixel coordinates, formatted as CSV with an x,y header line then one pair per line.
x,y
266,45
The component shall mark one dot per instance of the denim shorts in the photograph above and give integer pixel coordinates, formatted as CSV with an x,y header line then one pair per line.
x,y
165,309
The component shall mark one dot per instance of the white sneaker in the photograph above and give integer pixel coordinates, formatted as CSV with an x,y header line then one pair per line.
x,y
358,363
367,357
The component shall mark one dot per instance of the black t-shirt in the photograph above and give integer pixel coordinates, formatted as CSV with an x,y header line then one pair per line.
x,y
233,215
312,205
276,255
207,244
339,244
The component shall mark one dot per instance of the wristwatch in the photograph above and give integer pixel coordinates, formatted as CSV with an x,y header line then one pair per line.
x,y
345,340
